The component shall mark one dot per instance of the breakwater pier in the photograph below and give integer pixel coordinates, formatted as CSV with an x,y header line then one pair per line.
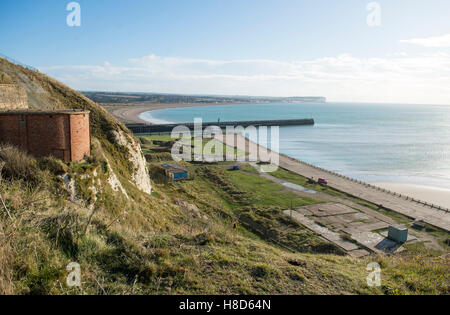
x,y
147,128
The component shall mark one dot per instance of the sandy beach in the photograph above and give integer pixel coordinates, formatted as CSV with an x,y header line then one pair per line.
x,y
130,114
439,196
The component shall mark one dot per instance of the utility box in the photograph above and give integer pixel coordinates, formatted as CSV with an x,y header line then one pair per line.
x,y
398,233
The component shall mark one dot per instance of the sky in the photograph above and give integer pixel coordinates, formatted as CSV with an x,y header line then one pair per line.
x,y
348,50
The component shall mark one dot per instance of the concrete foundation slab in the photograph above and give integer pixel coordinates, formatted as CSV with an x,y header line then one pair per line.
x,y
323,231
377,242
329,209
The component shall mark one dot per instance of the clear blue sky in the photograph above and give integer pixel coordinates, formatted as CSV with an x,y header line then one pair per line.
x,y
35,32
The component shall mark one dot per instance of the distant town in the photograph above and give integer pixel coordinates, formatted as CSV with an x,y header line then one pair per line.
x,y
112,98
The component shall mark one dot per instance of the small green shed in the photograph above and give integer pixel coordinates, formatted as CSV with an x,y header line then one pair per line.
x,y
398,233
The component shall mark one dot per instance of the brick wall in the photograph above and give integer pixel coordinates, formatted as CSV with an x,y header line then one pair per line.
x,y
80,136
62,134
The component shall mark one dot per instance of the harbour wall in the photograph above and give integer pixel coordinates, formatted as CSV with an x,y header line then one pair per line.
x,y
143,128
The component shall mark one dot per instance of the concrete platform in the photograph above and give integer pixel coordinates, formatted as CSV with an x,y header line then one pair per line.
x,y
377,243
358,253
330,209
323,231
357,227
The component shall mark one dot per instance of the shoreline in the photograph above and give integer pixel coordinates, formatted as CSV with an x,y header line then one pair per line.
x,y
130,114
431,194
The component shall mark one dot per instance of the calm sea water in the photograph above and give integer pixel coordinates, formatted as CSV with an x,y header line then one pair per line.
x,y
370,142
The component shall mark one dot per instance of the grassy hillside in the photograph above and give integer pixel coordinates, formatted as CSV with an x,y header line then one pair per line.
x,y
220,232
112,142
178,240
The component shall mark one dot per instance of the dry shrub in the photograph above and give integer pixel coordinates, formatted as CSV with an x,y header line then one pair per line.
x,y
158,157
145,141
53,165
6,286
17,165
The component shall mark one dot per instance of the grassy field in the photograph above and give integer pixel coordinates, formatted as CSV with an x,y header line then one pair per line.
x,y
266,193
212,146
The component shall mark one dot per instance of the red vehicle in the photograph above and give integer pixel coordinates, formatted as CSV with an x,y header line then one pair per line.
x,y
323,181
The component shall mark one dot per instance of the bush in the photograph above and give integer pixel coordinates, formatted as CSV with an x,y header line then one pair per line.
x,y
53,165
158,157
17,165
145,141
158,174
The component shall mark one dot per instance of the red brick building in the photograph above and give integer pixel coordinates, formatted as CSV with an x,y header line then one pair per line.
x,y
63,134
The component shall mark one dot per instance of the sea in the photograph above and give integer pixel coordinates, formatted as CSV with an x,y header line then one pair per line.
x,y
395,143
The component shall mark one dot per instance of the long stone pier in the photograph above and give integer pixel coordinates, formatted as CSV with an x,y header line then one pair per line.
x,y
143,128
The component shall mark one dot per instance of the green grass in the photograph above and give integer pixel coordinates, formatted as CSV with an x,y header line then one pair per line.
x,y
257,204
212,144
267,193
249,169
302,181
158,138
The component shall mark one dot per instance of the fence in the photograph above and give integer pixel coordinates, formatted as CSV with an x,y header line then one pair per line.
x,y
18,63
